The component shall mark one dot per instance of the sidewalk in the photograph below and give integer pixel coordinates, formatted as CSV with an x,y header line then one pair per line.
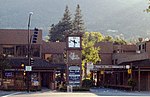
x,y
10,93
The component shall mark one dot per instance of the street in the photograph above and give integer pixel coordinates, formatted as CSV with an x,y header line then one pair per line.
x,y
95,92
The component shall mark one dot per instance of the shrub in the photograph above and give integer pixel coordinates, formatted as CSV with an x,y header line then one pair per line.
x,y
132,83
87,83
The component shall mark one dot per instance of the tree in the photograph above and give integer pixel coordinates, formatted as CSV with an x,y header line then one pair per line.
x,y
78,24
148,9
108,39
117,40
58,31
90,52
66,21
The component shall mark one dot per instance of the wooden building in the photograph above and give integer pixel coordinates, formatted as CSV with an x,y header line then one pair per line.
x,y
48,61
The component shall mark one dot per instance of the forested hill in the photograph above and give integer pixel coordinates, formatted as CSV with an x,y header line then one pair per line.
x,y
113,17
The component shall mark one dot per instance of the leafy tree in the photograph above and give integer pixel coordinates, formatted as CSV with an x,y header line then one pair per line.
x,y
119,41
108,39
90,52
78,24
116,40
148,9
58,31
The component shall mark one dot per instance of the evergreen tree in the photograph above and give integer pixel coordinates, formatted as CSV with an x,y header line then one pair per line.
x,y
78,24
58,31
66,21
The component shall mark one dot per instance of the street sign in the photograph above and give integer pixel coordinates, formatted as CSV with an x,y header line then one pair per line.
x,y
8,74
74,76
129,71
102,72
28,68
108,66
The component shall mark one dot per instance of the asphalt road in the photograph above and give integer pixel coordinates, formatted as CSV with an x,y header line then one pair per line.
x,y
95,92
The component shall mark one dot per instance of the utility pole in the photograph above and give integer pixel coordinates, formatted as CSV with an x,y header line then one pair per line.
x,y
29,52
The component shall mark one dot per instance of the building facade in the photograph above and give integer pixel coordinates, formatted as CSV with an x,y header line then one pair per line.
x,y
118,64
14,44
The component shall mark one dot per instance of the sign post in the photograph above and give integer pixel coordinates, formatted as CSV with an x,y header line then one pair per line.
x,y
74,76
74,59
28,68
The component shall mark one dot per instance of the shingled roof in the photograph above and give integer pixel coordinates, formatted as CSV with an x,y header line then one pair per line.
x,y
38,64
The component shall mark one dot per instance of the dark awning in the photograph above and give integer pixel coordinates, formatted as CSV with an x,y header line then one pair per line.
x,y
38,64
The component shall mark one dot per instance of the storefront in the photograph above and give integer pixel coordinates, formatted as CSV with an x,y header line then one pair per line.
x,y
43,75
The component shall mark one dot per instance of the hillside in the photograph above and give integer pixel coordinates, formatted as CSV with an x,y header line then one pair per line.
x,y
110,17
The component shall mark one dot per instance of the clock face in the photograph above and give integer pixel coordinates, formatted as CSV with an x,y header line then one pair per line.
x,y
74,42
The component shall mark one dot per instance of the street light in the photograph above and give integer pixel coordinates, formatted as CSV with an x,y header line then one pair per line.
x,y
29,44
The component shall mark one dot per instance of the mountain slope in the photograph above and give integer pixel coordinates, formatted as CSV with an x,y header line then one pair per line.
x,y
113,17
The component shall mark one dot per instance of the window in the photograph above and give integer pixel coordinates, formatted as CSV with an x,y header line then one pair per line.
x,y
8,50
21,50
112,62
143,46
48,57
116,61
139,47
35,51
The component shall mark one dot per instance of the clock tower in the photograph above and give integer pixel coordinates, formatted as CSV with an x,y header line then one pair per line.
x,y
74,60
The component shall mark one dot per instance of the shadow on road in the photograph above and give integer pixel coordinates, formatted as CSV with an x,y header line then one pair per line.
x,y
115,92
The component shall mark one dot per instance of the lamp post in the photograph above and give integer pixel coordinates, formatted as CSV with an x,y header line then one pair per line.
x,y
29,44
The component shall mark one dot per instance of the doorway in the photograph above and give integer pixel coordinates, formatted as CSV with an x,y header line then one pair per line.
x,y
45,79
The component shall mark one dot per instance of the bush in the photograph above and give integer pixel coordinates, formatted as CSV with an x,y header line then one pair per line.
x,y
87,83
132,83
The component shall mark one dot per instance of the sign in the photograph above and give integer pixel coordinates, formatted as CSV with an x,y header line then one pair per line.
x,y
102,72
108,66
129,71
90,65
74,57
8,74
35,83
74,76
28,68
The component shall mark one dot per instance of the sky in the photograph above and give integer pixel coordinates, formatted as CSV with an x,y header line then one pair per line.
x,y
97,14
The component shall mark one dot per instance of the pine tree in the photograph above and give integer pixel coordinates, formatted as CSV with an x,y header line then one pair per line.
x,y
66,21
58,31
78,24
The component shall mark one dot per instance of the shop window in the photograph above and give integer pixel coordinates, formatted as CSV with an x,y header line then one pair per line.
x,y
143,46
116,61
112,62
139,47
34,79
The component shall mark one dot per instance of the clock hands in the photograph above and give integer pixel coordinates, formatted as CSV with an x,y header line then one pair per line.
x,y
74,41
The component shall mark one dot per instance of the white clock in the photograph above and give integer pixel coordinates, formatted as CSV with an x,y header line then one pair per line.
x,y
73,42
